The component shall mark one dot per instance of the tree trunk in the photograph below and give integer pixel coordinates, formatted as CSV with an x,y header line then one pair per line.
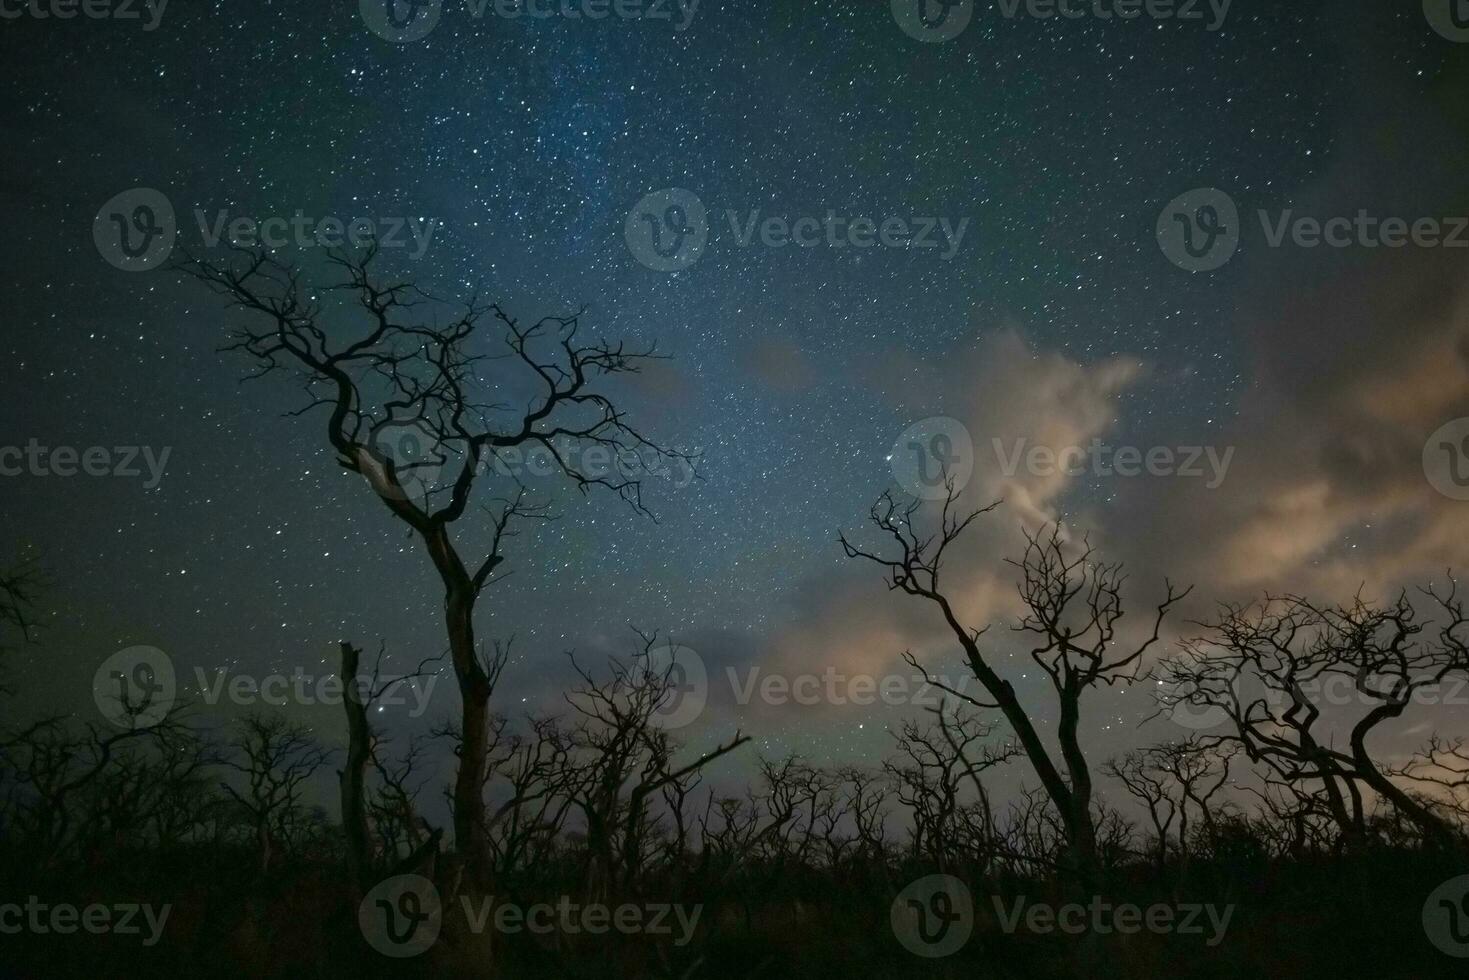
x,y
474,691
1079,828
264,843
352,775
460,593
1434,830
1082,840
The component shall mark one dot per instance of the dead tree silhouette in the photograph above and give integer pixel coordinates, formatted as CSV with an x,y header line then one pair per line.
x,y
936,764
1169,779
1266,667
1073,603
364,747
406,369
19,585
53,769
276,758
623,756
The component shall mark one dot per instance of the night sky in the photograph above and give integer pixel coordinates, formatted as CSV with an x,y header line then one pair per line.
x,y
792,370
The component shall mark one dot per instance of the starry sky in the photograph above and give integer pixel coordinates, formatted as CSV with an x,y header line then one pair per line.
x,y
792,370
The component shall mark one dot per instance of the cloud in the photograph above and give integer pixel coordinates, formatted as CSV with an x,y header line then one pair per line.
x,y
1357,356
1354,357
1003,390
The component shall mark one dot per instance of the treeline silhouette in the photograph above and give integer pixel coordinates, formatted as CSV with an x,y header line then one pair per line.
x,y
797,873
1326,850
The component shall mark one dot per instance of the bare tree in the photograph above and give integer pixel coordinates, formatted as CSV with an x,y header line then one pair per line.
x,y
1265,667
422,363
1295,818
18,587
1142,780
404,838
1073,604
361,693
1171,778
749,844
1440,773
1032,833
623,757
538,774
276,757
865,796
48,767
938,766
148,794
352,776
